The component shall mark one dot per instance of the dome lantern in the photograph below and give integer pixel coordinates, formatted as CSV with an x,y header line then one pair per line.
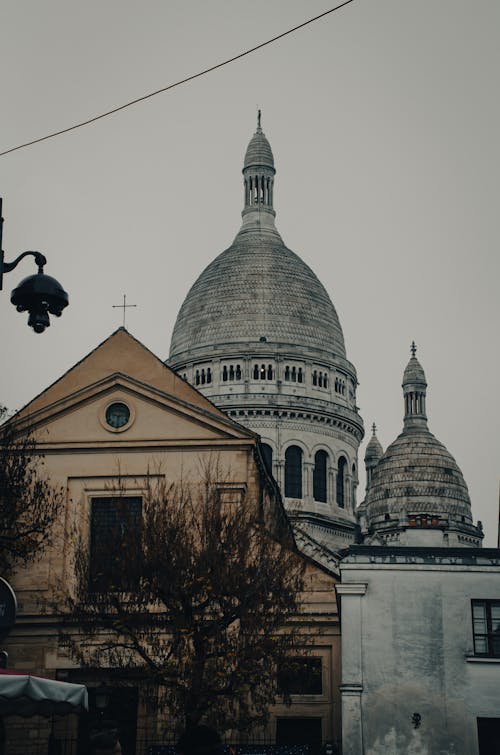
x,y
258,182
414,391
373,454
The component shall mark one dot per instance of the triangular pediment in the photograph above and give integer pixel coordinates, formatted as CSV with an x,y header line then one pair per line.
x,y
163,407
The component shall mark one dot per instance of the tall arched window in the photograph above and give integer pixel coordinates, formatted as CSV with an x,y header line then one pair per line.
x,y
319,476
293,472
340,482
267,453
353,488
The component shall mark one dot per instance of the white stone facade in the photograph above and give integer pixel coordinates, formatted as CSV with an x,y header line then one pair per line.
x,y
416,676
259,336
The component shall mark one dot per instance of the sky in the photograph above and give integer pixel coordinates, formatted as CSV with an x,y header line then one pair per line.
x,y
384,120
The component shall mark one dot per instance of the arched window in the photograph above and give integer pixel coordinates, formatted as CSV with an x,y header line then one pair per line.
x,y
269,372
340,482
209,375
256,372
325,380
224,373
263,372
293,472
319,476
203,377
294,374
353,488
299,375
238,372
231,372
197,381
287,373
267,453
320,380
315,377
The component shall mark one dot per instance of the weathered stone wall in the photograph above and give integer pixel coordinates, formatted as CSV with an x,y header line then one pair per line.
x,y
407,643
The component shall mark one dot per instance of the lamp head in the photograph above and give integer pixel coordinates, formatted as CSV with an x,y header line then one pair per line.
x,y
40,295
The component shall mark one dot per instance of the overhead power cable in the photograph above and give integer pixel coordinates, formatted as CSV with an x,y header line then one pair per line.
x,y
176,84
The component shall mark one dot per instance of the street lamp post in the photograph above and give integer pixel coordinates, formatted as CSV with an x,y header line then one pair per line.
x,y
39,294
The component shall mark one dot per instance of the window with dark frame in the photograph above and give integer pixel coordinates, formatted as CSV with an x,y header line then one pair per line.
x,y
342,463
486,627
301,676
293,472
267,454
113,521
319,476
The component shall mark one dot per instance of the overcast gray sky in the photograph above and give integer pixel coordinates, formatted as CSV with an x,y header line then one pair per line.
x,y
384,119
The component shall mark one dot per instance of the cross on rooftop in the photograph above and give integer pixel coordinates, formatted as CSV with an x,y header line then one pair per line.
x,y
413,349
374,427
123,306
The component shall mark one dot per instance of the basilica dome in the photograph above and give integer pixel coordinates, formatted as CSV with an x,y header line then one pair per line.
x,y
254,292
259,336
417,485
419,474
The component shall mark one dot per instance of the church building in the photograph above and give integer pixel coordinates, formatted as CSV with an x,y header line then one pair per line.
x,y
258,335
402,605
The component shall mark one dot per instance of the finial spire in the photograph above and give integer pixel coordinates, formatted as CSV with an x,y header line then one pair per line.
x,y
413,348
374,428
258,119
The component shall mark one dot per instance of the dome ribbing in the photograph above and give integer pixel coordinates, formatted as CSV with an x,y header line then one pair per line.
x,y
257,288
417,482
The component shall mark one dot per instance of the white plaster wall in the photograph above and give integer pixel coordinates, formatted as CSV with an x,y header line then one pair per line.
x,y
416,647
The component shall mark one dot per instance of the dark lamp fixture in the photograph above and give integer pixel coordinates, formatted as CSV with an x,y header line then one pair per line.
x,y
39,294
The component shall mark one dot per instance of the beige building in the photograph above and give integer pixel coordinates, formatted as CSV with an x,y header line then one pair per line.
x,y
110,418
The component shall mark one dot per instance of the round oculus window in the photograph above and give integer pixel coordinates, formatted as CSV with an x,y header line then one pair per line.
x,y
117,415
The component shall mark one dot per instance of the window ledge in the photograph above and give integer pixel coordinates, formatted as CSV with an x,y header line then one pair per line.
x,y
481,659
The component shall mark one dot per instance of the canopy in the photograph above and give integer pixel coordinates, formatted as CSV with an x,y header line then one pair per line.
x,y
27,695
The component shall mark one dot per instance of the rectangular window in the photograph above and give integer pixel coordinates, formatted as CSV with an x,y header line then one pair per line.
x,y
301,676
486,627
115,523
299,731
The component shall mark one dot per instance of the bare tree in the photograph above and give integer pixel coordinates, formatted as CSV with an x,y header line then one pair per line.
x,y
194,595
29,504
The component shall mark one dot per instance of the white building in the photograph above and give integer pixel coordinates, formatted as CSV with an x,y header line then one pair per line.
x,y
259,336
420,604
420,651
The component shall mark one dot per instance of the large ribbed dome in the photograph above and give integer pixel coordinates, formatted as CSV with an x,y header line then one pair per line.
x,y
257,289
259,336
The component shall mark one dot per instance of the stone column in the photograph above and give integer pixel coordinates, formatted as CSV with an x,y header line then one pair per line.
x,y
348,492
354,494
351,688
330,490
333,473
307,482
279,465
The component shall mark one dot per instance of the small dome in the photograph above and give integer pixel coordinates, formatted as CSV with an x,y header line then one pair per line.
x,y
259,152
417,478
417,473
414,372
374,450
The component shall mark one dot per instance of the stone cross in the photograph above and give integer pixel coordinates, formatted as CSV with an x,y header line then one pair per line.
x,y
123,306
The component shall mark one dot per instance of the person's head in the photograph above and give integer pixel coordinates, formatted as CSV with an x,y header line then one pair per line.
x,y
200,740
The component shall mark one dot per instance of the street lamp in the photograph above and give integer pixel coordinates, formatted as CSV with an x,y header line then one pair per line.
x,y
39,294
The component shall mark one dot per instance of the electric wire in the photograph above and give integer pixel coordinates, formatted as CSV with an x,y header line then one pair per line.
x,y
176,84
